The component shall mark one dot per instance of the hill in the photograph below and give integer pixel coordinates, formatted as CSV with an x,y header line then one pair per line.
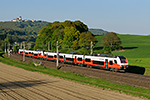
x,y
98,31
27,27
21,31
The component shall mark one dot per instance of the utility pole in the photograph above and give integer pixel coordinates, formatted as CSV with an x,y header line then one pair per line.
x,y
5,47
91,47
57,64
23,51
8,49
21,45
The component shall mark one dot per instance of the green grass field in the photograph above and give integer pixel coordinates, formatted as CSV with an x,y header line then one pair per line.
x,y
136,49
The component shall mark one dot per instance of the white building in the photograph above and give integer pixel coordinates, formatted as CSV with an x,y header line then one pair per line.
x,y
21,20
17,19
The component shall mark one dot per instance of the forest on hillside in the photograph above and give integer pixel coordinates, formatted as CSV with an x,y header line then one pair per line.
x,y
27,31
71,36
20,31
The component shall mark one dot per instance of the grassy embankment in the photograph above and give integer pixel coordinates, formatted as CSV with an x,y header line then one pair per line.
x,y
79,78
137,50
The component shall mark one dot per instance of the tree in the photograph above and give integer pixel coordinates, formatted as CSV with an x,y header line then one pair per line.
x,y
75,45
1,42
16,47
85,39
111,41
71,34
68,34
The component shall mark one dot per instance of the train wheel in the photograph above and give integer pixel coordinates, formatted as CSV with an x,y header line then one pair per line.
x,y
110,69
122,71
89,66
115,69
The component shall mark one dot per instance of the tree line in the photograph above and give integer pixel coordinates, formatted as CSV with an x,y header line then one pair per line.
x,y
73,36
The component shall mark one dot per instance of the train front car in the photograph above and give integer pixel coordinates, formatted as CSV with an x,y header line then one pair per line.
x,y
123,62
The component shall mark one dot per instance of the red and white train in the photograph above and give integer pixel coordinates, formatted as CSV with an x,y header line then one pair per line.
x,y
102,61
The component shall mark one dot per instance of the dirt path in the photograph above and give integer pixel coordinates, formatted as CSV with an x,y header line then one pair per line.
x,y
16,83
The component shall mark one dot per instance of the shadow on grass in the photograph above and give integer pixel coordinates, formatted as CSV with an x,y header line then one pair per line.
x,y
136,69
1,54
98,48
130,47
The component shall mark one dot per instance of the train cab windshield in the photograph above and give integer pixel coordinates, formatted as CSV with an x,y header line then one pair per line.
x,y
123,59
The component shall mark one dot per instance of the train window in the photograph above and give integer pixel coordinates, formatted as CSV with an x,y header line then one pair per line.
x,y
79,59
123,59
29,52
35,54
88,60
115,61
61,57
98,62
55,56
21,52
71,59
50,56
111,62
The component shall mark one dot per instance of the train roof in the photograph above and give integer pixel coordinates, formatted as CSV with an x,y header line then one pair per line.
x,y
107,55
72,54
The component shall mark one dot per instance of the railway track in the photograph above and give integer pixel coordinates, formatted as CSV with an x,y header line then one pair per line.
x,y
117,77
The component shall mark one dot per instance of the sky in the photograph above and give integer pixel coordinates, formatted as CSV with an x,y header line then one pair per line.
x,y
120,16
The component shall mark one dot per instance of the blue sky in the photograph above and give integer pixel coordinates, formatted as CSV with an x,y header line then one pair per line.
x,y
121,16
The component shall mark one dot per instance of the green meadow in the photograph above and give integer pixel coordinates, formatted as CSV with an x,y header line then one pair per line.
x,y
136,49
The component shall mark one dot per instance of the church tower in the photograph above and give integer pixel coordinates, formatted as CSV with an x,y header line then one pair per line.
x,y
20,18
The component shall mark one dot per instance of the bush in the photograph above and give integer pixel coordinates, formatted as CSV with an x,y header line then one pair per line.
x,y
83,51
102,52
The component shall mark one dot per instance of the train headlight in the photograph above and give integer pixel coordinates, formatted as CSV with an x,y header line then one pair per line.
x,y
124,66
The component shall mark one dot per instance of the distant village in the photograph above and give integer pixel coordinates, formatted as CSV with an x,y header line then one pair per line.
x,y
21,20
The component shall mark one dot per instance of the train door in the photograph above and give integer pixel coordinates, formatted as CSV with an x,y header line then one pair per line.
x,y
75,59
83,59
106,63
64,58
